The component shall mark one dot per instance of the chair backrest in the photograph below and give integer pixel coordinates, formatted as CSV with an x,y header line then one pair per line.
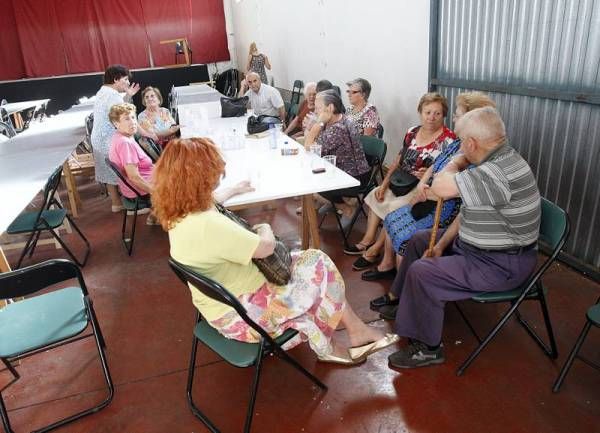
x,y
120,175
554,230
215,291
149,147
7,129
554,226
89,125
31,279
375,150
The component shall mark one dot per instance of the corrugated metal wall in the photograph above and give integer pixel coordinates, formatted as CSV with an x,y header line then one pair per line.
x,y
552,47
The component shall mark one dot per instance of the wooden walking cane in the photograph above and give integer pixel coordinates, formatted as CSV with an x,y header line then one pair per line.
x,y
436,223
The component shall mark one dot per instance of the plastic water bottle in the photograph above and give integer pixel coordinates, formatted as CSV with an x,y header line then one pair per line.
x,y
273,136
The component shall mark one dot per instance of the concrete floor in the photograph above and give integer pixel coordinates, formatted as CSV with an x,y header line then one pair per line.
x,y
146,315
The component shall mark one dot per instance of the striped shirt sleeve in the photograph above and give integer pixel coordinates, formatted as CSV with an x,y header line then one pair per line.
x,y
485,185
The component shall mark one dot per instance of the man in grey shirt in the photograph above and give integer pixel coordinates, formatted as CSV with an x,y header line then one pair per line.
x,y
495,249
264,99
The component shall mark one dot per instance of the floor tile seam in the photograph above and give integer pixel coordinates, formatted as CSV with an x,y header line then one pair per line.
x,y
115,385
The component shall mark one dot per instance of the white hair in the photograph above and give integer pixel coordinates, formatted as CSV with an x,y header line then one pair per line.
x,y
308,86
483,124
252,73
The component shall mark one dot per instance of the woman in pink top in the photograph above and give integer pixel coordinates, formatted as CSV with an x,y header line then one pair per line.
x,y
129,157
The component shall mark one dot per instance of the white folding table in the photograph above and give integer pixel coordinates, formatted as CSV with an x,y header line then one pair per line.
x,y
273,175
28,159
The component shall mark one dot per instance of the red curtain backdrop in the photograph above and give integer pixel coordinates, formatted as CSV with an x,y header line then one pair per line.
x,y
81,36
122,28
42,38
208,39
163,22
39,37
11,59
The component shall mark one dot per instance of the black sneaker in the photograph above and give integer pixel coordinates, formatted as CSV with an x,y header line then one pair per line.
x,y
388,312
416,354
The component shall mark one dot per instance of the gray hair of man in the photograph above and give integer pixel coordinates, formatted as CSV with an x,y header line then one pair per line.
x,y
252,74
309,86
364,85
484,125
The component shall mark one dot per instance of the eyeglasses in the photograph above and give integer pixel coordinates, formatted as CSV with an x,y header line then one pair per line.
x,y
352,92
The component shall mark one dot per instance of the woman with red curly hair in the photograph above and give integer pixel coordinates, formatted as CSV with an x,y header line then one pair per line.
x,y
313,302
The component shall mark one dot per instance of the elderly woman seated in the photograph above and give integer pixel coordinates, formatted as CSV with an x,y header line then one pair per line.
x,y
155,118
360,111
338,135
306,113
130,159
421,145
313,302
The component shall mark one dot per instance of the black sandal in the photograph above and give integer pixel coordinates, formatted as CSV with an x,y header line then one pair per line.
x,y
377,303
353,250
362,263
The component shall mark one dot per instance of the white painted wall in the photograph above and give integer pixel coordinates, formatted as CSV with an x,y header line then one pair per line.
x,y
384,41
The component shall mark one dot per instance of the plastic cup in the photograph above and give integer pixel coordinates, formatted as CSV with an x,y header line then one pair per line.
x,y
330,159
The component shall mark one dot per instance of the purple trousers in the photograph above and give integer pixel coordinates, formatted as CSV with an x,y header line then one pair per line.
x,y
425,285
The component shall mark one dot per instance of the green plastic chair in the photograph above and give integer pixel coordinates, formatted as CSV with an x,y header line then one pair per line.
x,y
44,322
375,150
236,353
554,230
46,219
593,318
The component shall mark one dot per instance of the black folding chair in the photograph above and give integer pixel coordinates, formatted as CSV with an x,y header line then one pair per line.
x,y
236,353
149,147
7,129
593,318
47,321
130,206
554,230
380,131
46,219
375,150
295,98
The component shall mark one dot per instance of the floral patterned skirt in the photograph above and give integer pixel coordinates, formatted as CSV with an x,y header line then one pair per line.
x,y
311,303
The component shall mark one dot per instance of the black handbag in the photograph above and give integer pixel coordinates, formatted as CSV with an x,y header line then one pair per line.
x,y
402,182
422,209
234,107
259,124
277,268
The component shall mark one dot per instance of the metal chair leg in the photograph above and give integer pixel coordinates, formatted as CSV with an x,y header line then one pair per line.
x,y
35,241
551,351
10,368
467,322
107,378
287,358
491,335
68,250
571,357
190,382
25,249
254,389
4,416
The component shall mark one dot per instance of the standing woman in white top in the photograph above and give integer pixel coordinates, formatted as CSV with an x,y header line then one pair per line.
x,y
116,82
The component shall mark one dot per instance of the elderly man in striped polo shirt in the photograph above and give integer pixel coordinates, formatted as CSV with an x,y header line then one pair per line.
x,y
264,99
495,250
